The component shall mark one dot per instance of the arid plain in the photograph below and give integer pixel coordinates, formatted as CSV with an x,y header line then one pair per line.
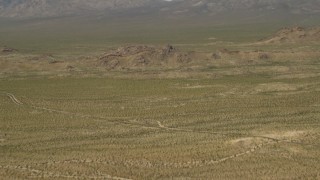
x,y
222,110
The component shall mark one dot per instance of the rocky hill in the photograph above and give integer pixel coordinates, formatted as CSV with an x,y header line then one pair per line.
x,y
294,35
169,57
53,8
139,56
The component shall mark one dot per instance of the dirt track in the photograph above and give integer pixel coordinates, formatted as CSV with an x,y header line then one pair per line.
x,y
268,140
127,122
14,99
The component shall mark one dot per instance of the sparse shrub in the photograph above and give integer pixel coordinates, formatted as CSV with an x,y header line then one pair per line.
x,y
216,56
264,56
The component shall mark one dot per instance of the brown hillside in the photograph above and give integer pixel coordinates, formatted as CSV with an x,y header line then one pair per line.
x,y
139,56
293,35
169,57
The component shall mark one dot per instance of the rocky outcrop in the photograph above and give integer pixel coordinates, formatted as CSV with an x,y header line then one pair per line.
x,y
170,57
139,56
6,50
293,35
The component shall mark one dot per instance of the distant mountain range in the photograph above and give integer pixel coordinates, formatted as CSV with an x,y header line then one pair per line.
x,y
56,8
59,8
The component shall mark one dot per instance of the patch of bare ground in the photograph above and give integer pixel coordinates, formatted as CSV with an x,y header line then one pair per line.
x,y
287,135
298,75
197,87
275,87
256,142
252,144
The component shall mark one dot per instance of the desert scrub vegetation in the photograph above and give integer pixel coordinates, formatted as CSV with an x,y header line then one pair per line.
x,y
229,127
